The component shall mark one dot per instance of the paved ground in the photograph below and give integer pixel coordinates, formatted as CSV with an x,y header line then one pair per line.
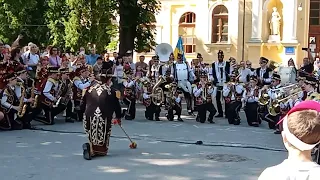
x,y
166,151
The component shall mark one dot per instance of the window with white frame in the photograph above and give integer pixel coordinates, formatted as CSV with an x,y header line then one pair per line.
x,y
219,25
187,27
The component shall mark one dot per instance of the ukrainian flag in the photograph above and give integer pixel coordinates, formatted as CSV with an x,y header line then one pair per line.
x,y
179,49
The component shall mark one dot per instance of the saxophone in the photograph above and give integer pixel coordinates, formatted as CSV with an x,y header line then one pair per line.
x,y
157,92
33,95
69,91
22,105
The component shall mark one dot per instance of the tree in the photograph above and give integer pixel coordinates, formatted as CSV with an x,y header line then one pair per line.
x,y
89,21
55,17
23,17
136,26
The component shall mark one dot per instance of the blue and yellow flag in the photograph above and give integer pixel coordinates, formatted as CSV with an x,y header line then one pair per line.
x,y
179,49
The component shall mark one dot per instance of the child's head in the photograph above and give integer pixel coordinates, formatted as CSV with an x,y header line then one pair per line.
x,y
139,68
301,126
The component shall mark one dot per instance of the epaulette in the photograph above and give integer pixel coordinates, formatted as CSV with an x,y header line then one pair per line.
x,y
52,80
19,84
118,94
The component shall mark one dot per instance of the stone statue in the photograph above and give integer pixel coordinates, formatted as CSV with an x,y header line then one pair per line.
x,y
275,22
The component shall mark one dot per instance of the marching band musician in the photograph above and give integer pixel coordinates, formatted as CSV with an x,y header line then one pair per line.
x,y
64,101
175,103
250,98
155,68
274,93
219,76
130,95
100,102
81,81
10,104
310,87
203,94
48,97
23,83
152,110
182,74
244,73
264,73
232,92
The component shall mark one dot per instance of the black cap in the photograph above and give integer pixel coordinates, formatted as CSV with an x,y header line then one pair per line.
x,y
311,80
263,59
276,76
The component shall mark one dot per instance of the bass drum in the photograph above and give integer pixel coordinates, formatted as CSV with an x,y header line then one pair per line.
x,y
288,75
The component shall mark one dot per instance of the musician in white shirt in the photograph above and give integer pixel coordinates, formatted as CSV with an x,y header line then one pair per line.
x,y
232,92
220,74
244,73
182,73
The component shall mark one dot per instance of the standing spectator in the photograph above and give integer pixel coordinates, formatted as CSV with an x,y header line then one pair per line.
x,y
97,67
1,50
31,58
54,58
308,63
118,75
142,64
92,58
301,133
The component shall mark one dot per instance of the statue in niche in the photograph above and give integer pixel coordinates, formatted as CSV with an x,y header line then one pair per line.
x,y
275,22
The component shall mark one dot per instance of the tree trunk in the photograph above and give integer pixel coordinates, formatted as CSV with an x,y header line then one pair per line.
x,y
127,26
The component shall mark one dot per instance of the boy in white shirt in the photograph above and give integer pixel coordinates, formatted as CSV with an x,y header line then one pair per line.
x,y
301,134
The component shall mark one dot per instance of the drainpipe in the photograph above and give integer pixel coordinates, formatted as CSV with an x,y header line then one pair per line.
x,y
243,25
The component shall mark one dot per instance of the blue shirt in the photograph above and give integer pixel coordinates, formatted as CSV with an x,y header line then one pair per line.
x,y
91,59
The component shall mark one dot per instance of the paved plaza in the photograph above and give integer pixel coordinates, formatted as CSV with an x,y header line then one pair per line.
x,y
166,151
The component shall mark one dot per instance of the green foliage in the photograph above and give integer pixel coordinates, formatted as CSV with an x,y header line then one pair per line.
x,y
75,23
23,17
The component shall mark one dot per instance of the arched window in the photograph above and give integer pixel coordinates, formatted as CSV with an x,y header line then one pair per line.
x,y
219,25
187,26
315,12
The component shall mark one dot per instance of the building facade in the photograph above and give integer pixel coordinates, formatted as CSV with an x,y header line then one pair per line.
x,y
240,28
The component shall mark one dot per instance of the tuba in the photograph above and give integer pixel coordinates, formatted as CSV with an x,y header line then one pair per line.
x,y
34,104
157,92
273,65
163,51
22,105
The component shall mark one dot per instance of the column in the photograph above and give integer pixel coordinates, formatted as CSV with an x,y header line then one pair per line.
x,y
289,22
256,21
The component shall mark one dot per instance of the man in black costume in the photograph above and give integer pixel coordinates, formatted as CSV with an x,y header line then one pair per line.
x,y
100,102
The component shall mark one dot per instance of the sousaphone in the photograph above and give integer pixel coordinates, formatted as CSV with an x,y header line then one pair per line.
x,y
164,51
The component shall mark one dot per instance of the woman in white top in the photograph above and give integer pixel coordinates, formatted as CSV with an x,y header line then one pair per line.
x,y
118,74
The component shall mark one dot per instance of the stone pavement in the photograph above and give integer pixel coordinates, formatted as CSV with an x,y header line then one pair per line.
x,y
166,151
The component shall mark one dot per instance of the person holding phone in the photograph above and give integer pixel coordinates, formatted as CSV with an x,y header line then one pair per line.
x,y
307,62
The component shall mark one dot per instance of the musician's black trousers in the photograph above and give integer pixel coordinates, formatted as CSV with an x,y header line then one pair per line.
x,y
202,111
251,111
78,109
233,112
177,108
188,98
219,105
50,113
272,121
9,123
131,103
317,155
68,109
152,111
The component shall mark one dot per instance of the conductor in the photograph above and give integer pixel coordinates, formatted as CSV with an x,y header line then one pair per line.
x,y
99,114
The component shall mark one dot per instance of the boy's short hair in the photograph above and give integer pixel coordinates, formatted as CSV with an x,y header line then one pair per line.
x,y
305,125
301,125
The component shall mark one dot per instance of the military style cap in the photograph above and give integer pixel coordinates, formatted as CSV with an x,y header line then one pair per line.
x,y
220,52
311,80
199,55
203,74
276,77
263,59
53,69
64,70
